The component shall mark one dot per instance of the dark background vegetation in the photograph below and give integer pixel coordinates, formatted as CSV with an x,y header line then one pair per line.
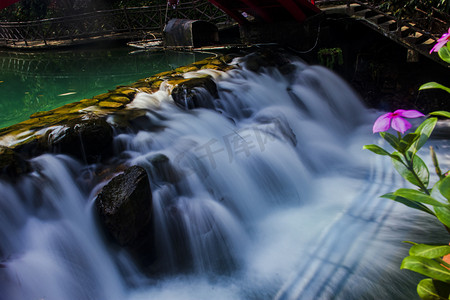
x,y
28,10
39,9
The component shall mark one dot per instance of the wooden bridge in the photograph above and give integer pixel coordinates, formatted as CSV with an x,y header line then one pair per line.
x,y
126,23
140,22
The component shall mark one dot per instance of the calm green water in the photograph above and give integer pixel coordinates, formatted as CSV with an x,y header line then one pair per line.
x,y
31,82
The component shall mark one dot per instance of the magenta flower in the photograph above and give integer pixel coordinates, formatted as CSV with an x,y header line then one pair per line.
x,y
395,119
441,42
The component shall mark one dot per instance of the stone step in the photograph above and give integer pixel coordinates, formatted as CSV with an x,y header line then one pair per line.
x,y
405,31
366,13
390,25
379,19
426,45
416,38
429,41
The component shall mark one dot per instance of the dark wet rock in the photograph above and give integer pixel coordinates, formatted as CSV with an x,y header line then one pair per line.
x,y
163,169
12,164
126,118
267,58
287,69
277,126
195,92
87,138
254,63
124,207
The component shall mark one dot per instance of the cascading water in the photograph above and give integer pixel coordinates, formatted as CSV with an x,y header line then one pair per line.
x,y
267,196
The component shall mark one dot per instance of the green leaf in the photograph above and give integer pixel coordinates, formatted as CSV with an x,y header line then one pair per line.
x,y
443,215
406,142
420,169
444,54
444,187
424,130
428,291
433,85
427,267
417,196
429,251
376,149
441,113
412,204
397,156
391,139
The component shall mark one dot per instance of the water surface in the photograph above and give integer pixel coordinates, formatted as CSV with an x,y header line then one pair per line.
x,y
270,196
39,81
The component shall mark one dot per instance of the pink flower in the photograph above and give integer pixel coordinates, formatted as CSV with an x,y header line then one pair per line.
x,y
395,119
441,42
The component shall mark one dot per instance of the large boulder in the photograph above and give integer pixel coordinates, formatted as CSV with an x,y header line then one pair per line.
x,y
124,207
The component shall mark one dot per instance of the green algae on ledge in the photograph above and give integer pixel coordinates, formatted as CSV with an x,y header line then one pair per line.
x,y
38,128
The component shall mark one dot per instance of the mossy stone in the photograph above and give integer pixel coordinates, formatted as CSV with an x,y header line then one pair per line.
x,y
211,66
89,101
40,114
102,96
110,104
118,98
127,92
146,90
186,69
156,84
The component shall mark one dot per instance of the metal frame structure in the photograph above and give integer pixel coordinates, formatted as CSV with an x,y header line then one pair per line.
x,y
128,22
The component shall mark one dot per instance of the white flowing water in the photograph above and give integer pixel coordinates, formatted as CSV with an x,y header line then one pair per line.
x,y
269,196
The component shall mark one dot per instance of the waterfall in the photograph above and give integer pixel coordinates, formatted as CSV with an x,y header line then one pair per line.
x,y
265,195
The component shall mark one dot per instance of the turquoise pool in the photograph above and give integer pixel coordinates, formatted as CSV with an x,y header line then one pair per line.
x,y
39,81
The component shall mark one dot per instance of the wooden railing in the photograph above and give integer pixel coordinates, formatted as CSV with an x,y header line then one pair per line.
x,y
135,21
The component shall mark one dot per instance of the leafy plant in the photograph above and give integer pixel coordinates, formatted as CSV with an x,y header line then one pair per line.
x,y
423,259
429,260
330,56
